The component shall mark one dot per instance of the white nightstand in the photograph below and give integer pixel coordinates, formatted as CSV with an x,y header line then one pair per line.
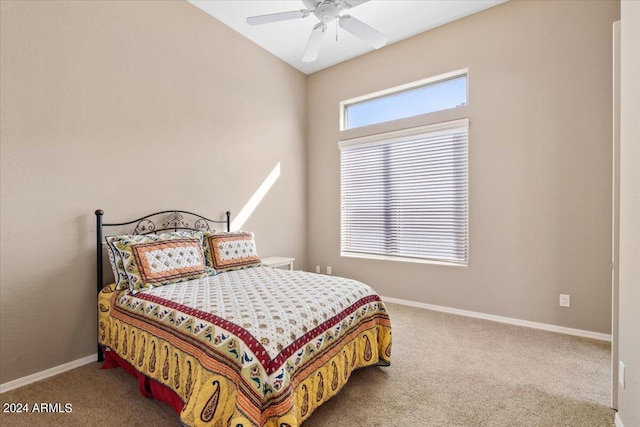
x,y
278,261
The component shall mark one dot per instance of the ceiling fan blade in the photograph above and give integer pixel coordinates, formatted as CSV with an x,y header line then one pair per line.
x,y
353,3
277,17
364,32
315,40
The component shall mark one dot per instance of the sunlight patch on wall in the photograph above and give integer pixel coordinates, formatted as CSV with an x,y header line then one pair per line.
x,y
251,205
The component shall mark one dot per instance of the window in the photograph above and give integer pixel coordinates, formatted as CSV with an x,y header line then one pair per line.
x,y
426,96
405,194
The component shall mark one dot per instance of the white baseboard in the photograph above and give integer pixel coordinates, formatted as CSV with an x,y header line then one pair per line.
x,y
618,421
39,376
501,319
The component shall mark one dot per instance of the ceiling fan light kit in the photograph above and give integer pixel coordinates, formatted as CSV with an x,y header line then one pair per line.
x,y
326,11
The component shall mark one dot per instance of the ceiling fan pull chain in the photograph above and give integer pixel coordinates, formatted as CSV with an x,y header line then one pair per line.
x,y
336,29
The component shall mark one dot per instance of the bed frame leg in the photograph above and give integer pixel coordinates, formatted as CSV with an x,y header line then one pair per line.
x,y
99,214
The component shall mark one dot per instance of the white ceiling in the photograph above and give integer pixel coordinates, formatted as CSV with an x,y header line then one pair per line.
x,y
398,19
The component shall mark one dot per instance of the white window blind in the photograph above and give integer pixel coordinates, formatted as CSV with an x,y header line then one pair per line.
x,y
405,194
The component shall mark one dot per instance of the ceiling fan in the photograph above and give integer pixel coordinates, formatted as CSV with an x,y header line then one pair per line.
x,y
326,11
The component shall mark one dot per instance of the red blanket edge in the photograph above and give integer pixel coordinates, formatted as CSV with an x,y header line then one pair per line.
x,y
148,387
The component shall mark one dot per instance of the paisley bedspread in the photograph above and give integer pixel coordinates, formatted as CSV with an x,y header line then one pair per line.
x,y
253,347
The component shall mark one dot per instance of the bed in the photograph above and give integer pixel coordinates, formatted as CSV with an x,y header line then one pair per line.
x,y
226,341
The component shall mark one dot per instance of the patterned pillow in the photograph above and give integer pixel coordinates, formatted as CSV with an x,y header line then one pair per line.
x,y
117,265
157,260
230,251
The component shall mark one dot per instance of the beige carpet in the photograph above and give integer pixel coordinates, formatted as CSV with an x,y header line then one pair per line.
x,y
446,371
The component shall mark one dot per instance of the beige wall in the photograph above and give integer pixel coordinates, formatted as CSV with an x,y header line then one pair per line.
x,y
130,107
629,314
540,102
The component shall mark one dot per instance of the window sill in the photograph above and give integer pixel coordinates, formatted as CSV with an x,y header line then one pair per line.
x,y
401,259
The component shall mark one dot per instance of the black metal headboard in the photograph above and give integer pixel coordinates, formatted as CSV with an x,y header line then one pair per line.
x,y
156,222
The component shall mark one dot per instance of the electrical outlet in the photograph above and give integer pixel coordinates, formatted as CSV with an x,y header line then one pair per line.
x,y
565,300
328,269
621,369
317,269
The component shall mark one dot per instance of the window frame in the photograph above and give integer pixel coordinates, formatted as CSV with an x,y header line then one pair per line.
x,y
430,81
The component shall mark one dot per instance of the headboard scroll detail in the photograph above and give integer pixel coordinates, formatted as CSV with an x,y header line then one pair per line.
x,y
172,220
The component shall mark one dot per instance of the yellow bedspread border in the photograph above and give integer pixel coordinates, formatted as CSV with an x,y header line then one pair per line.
x,y
210,390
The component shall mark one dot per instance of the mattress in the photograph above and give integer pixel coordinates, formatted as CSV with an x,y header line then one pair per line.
x,y
252,347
